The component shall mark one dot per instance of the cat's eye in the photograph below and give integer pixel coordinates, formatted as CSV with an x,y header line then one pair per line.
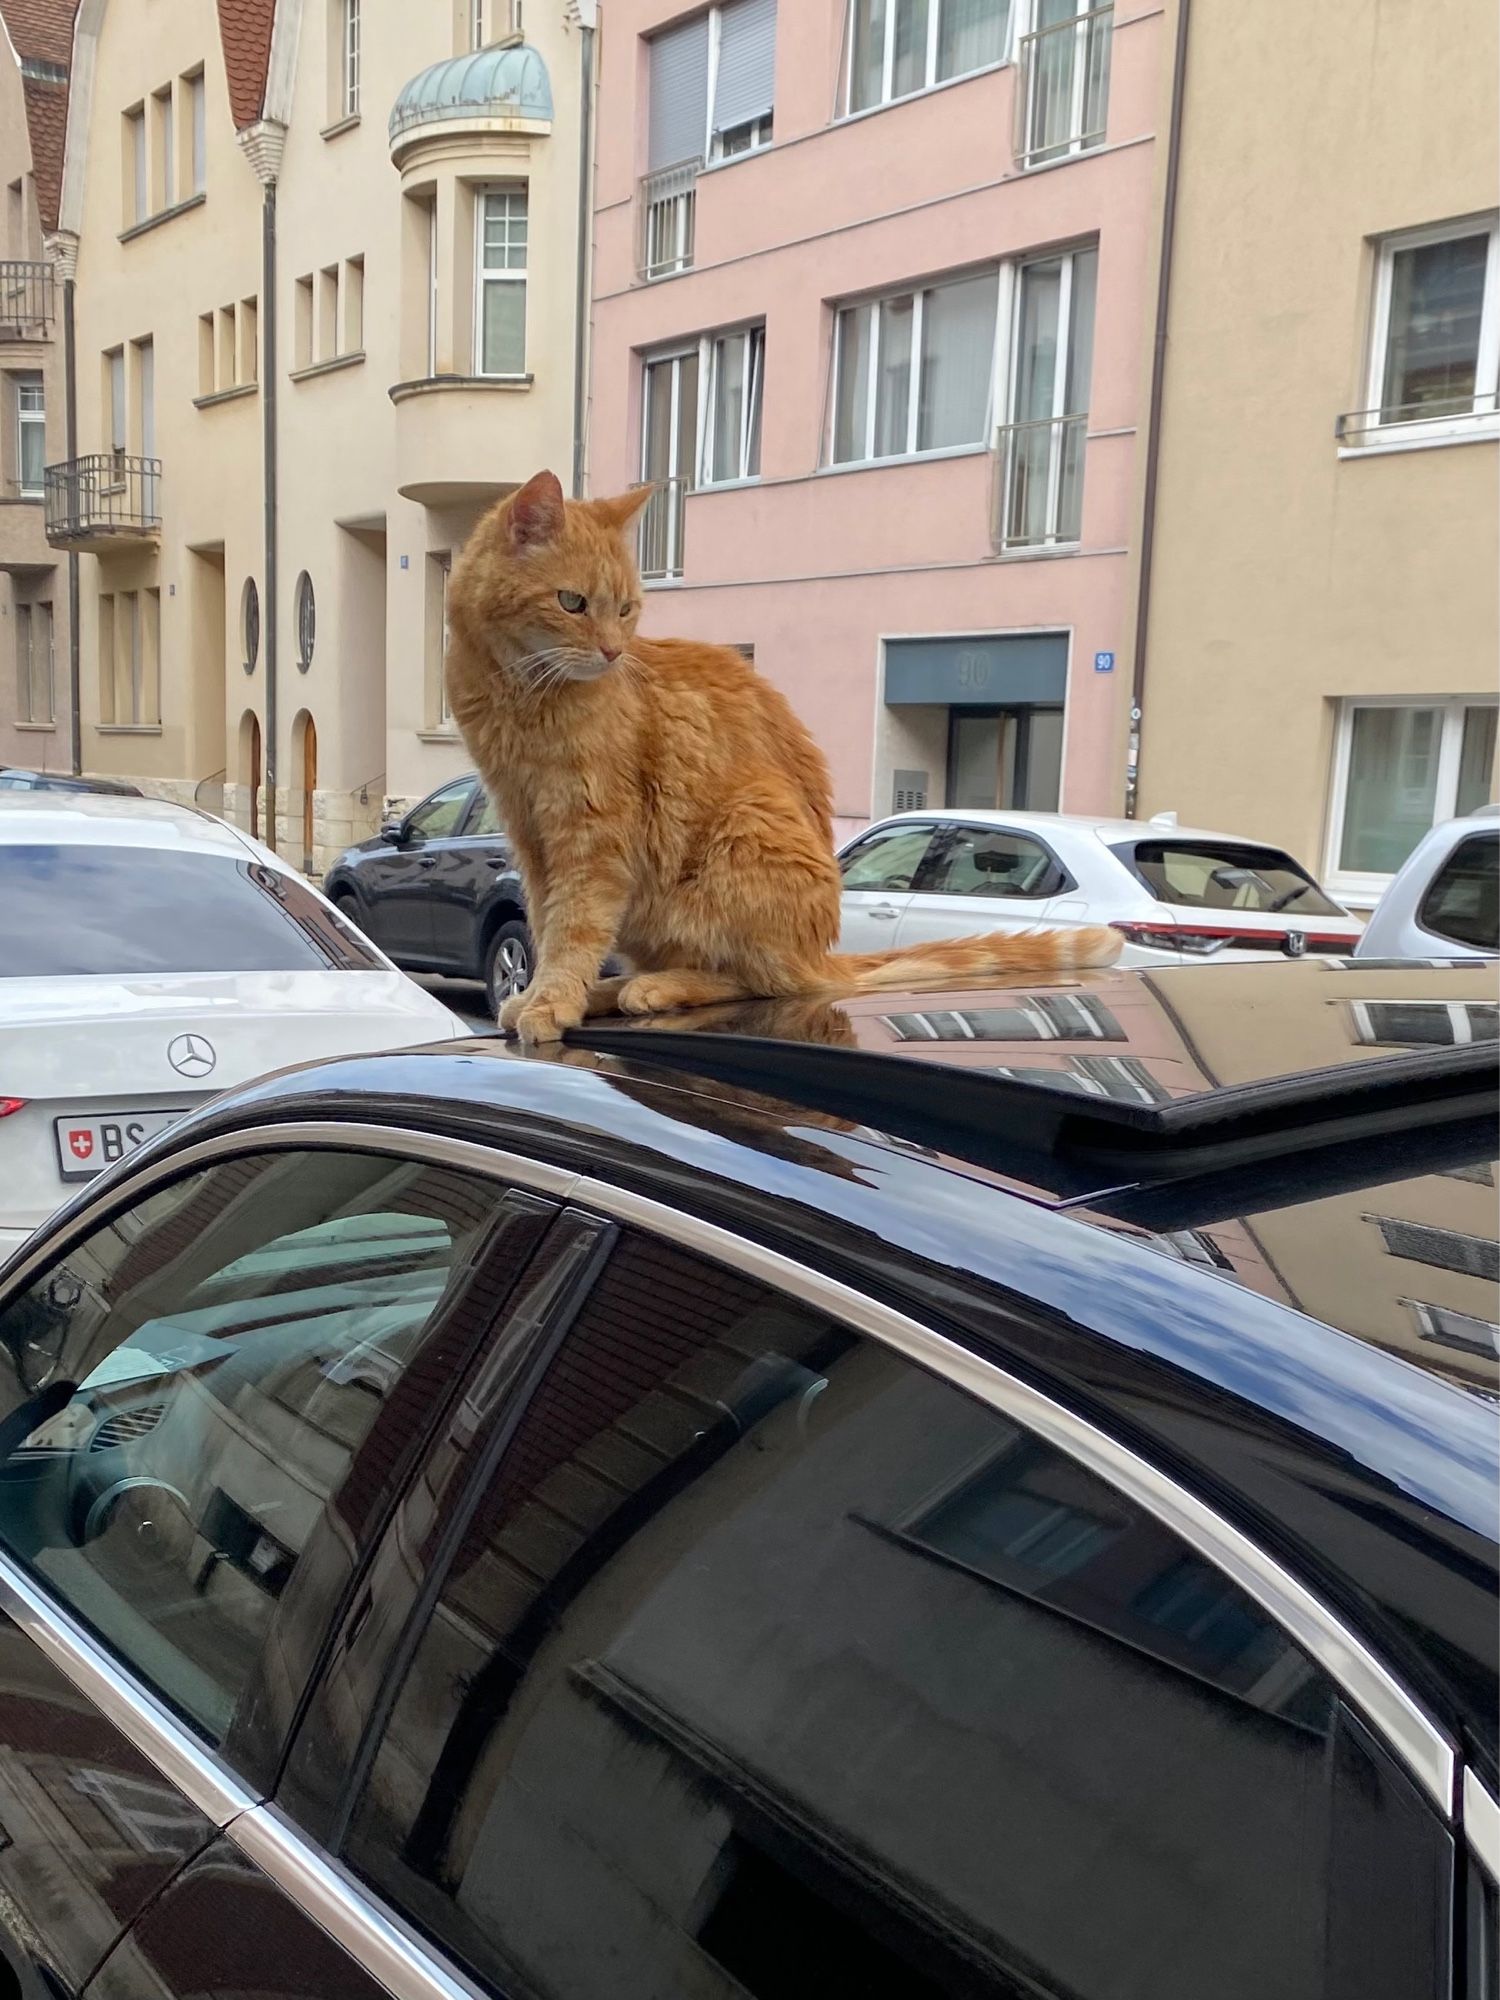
x,y
572,600
627,607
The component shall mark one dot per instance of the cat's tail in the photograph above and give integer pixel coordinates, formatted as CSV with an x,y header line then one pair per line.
x,y
968,959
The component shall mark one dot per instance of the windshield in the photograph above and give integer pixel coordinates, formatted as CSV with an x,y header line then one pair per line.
x,y
69,910
1225,875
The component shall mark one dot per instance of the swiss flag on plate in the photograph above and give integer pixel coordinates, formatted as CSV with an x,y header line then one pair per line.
x,y
80,1144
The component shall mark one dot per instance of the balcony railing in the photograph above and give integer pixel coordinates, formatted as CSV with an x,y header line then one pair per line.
x,y
1445,415
1039,483
668,204
1062,101
660,547
108,496
28,299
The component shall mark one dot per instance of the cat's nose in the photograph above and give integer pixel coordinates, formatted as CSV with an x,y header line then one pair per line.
x,y
609,653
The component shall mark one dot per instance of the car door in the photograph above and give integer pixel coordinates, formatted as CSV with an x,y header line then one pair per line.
x,y
466,869
398,883
757,1655
205,1399
879,872
981,878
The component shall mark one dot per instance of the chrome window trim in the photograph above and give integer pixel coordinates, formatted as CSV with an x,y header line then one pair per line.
x,y
1390,1709
1482,1825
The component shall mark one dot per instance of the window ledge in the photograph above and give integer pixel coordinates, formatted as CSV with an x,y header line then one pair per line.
x,y
329,367
163,215
340,126
900,458
22,500
437,385
738,159
1042,552
35,728
218,396
727,485
660,582
128,728
915,96
438,736
1383,447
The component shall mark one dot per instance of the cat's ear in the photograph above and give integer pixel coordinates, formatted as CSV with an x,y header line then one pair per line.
x,y
535,515
620,511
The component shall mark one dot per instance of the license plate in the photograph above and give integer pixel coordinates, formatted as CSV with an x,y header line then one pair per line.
x,y
86,1146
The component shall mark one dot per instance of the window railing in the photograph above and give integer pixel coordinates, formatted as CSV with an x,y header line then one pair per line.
x,y
662,520
1384,425
1062,98
27,299
668,205
107,494
1038,495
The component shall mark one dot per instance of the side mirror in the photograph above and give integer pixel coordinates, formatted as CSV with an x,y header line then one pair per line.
x,y
393,831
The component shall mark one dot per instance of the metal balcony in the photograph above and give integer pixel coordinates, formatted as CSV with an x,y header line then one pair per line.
x,y
660,547
96,503
28,299
1441,414
1062,98
1038,493
666,217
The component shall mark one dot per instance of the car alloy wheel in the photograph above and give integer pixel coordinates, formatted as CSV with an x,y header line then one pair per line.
x,y
508,965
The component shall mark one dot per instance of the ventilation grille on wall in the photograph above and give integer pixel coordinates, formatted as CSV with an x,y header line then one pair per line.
x,y
909,791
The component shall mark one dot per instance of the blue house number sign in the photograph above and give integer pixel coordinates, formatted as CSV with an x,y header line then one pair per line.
x,y
1104,663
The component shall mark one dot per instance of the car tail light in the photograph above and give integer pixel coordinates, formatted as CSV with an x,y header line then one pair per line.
x,y
10,1104
1203,940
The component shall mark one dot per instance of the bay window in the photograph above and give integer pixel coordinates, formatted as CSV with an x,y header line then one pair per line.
x,y
893,48
500,281
1400,767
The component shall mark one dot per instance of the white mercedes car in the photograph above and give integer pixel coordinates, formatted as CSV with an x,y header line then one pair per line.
x,y
1176,893
150,956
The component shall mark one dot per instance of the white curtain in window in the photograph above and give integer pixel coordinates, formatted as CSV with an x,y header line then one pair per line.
x,y
971,33
958,348
679,93
746,84
852,402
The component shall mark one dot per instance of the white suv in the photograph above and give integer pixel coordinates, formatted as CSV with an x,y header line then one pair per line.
x,y
1445,901
1178,894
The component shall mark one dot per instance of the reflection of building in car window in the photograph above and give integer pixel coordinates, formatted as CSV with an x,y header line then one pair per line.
x,y
1125,1078
1040,1017
1423,1023
1463,1331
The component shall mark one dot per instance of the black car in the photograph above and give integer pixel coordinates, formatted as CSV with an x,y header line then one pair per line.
x,y
439,891
14,779
965,1493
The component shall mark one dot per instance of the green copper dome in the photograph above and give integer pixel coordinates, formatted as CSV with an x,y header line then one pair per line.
x,y
510,79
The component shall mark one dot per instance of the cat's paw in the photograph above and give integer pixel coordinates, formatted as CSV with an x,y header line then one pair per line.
x,y
511,1011
545,1015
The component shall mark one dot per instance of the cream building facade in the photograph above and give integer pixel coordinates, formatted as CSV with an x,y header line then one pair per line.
x,y
327,257
35,48
1321,634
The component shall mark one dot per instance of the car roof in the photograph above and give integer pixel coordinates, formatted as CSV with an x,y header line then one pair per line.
x,y
105,819
1113,832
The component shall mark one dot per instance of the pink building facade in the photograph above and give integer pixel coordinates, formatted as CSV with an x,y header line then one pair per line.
x,y
872,289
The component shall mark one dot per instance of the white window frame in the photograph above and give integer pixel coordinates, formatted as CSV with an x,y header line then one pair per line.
x,y
480,14
483,276
917,294
931,80
350,57
754,339
432,284
676,355
1347,885
29,420
1487,369
1013,305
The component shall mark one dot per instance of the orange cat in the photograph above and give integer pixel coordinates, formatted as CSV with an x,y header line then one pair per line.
x,y
663,800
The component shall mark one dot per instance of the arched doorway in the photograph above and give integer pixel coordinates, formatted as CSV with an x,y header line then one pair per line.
x,y
249,774
305,756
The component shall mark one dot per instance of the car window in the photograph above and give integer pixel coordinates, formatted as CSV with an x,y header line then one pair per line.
x,y
15,784
770,1664
442,814
1225,875
990,861
188,1387
1463,902
888,858
486,819
70,909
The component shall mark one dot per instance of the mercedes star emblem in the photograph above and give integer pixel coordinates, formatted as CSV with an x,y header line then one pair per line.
x,y
191,1055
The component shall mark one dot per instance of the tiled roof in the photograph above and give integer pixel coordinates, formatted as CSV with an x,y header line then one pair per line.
x,y
41,28
47,118
245,32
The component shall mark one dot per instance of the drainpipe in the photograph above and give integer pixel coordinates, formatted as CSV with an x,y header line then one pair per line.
x,y
1153,421
587,14
70,403
268,384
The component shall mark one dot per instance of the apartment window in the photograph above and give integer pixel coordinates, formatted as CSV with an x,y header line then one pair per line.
x,y
228,348
493,21
198,127
303,323
713,84
1443,1249
137,177
734,364
349,51
129,658
432,287
115,415
439,573
893,48
34,663
670,430
1462,1331
31,435
352,307
1435,346
1062,93
913,372
328,315
165,148
1399,768
1041,446
500,291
